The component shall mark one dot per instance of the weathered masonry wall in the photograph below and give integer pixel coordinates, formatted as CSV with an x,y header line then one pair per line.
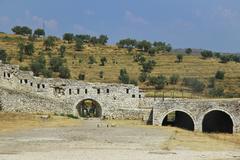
x,y
23,92
20,91
196,109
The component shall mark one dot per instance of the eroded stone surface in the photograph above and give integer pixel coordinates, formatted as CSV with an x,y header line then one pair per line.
x,y
22,92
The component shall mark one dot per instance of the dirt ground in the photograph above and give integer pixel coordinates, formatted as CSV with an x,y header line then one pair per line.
x,y
28,137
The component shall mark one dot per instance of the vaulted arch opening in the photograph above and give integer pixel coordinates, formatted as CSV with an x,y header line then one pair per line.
x,y
179,119
89,108
217,122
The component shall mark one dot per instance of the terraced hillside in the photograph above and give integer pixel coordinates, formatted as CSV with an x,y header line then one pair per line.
x,y
117,58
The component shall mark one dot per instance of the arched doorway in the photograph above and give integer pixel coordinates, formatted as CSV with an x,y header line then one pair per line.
x,y
179,119
89,108
218,122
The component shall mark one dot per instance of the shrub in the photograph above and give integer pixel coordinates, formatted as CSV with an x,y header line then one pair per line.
x,y
81,76
219,75
38,65
91,60
49,42
159,81
134,82
148,66
103,61
101,74
188,51
68,37
224,59
3,56
174,79
152,51
62,51
196,85
64,72
47,73
211,82
207,54
55,63
123,77
79,45
216,92
142,77
179,57
139,58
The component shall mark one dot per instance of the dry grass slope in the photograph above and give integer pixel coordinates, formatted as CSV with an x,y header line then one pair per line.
x,y
192,66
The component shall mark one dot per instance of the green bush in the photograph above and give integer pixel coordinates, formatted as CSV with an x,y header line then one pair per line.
x,y
47,73
216,92
91,60
142,77
158,82
206,54
123,77
134,82
220,75
103,61
101,74
55,63
81,76
179,58
64,72
148,66
211,82
196,85
174,79
3,56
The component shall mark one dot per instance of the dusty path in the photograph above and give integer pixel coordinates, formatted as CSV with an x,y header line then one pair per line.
x,y
92,139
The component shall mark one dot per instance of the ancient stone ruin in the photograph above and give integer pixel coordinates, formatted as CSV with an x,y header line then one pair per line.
x,y
22,92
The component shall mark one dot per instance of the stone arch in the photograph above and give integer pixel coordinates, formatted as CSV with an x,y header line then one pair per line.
x,y
89,107
183,119
218,120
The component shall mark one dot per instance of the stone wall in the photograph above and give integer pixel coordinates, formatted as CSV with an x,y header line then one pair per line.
x,y
22,92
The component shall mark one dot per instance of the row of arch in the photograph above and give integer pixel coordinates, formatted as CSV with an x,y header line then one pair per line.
x,y
216,121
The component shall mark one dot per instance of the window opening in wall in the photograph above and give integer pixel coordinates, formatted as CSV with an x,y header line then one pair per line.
x,y
4,74
70,91
20,80
43,85
85,91
107,90
38,86
31,84
25,81
127,91
140,96
8,75
98,91
78,91
133,96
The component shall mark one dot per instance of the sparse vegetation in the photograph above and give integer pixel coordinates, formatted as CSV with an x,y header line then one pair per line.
x,y
220,75
118,57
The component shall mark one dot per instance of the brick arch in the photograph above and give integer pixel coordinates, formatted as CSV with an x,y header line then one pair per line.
x,y
180,110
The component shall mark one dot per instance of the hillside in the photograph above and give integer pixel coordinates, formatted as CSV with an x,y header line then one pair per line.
x,y
77,61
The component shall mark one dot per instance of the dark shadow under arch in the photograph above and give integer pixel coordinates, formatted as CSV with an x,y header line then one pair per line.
x,y
217,122
179,119
89,108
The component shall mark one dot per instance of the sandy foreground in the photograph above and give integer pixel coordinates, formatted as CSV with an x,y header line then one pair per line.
x,y
113,140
